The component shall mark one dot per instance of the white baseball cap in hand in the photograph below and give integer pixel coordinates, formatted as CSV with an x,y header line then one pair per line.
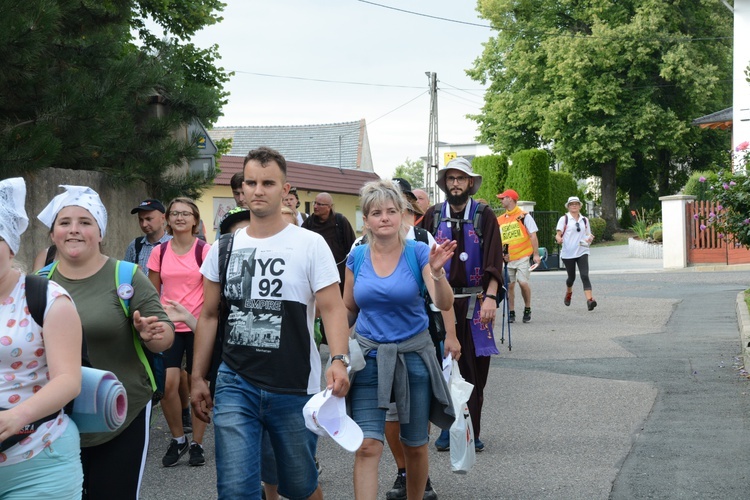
x,y
325,415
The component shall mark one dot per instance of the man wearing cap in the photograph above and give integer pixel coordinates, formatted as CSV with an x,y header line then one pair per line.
x,y
151,219
291,200
474,273
518,232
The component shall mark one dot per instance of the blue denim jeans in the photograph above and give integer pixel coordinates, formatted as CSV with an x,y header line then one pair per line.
x,y
371,419
242,412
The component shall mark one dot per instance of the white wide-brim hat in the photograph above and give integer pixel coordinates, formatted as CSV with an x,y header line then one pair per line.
x,y
572,199
464,166
325,415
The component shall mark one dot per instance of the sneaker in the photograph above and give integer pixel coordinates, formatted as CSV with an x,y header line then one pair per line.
x,y
591,304
174,452
429,492
478,445
398,492
512,317
196,455
318,467
443,443
527,315
187,422
568,296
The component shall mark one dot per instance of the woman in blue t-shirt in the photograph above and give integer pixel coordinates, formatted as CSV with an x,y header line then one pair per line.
x,y
384,279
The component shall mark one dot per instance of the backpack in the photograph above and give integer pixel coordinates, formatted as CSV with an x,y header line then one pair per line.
x,y
152,362
476,220
198,252
585,223
226,242
436,325
138,245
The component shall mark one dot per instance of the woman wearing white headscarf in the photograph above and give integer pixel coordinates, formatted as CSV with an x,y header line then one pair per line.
x,y
39,444
112,462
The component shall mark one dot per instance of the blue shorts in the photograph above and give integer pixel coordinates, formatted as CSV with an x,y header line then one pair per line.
x,y
242,412
55,473
363,396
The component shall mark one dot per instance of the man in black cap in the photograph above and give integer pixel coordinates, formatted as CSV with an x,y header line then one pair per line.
x,y
152,220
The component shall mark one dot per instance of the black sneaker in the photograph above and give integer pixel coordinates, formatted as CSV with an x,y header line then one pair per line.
x,y
429,493
398,492
591,304
512,317
174,452
527,315
196,455
187,422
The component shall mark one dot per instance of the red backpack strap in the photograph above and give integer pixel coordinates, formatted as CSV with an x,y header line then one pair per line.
x,y
199,251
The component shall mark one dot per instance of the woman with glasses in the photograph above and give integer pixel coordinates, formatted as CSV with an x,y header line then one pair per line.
x,y
574,234
174,269
113,462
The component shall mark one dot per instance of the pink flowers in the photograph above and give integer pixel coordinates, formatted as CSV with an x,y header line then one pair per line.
x,y
725,186
742,146
696,216
702,227
701,179
732,183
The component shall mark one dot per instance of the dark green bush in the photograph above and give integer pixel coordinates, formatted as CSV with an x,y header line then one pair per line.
x,y
494,170
562,185
700,189
529,176
599,228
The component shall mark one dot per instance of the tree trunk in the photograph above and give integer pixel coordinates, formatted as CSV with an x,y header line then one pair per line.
x,y
609,196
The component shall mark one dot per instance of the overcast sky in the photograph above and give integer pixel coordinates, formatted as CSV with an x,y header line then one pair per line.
x,y
353,41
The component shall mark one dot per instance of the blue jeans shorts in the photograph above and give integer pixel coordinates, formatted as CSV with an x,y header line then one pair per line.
x,y
363,396
242,412
54,473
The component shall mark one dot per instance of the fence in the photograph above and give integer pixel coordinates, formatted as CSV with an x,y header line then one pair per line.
x,y
706,246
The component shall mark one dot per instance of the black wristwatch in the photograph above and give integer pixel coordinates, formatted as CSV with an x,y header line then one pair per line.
x,y
490,296
341,357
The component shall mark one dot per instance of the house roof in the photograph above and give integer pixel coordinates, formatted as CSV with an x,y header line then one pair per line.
x,y
720,119
305,176
340,145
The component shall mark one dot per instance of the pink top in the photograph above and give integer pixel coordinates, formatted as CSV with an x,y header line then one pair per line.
x,y
181,279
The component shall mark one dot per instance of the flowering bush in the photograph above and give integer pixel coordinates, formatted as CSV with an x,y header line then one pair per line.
x,y
732,194
643,221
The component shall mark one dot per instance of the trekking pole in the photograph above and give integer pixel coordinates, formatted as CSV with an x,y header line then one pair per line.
x,y
506,307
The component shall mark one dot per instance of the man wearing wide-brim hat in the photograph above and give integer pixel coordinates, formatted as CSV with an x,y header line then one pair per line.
x,y
474,273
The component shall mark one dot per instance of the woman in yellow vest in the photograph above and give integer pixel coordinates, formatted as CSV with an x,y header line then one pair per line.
x,y
518,232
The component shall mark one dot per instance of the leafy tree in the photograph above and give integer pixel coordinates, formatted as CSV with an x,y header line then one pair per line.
x,y
412,171
78,92
609,87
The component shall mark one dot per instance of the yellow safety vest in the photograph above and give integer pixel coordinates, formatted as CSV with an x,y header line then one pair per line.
x,y
514,234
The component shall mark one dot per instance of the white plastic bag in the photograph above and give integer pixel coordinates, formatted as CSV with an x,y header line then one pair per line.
x,y
463,454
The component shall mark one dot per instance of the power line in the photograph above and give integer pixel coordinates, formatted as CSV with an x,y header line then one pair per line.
x,y
667,38
399,107
367,84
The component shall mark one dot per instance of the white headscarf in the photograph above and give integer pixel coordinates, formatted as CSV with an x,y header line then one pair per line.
x,y
13,219
79,196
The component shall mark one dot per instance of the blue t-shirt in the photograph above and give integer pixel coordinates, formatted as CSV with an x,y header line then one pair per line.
x,y
390,308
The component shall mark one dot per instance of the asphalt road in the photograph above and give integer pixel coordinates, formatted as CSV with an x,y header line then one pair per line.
x,y
641,398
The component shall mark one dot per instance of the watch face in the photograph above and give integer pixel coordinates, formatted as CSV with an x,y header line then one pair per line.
x,y
343,357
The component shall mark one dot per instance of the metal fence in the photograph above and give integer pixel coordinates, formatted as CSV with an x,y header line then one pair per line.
x,y
546,222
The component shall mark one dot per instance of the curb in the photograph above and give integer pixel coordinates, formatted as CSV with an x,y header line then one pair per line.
x,y
743,321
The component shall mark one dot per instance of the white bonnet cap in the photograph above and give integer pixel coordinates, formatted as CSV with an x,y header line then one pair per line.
x,y
80,196
13,219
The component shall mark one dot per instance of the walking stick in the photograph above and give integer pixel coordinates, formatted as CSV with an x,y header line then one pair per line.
x,y
506,309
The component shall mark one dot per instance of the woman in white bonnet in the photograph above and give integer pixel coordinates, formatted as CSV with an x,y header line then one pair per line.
x,y
113,461
40,372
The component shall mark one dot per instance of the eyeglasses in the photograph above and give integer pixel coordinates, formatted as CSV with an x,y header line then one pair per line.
x,y
578,227
321,204
460,179
185,215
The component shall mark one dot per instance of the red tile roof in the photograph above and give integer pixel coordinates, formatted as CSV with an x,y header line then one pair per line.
x,y
306,176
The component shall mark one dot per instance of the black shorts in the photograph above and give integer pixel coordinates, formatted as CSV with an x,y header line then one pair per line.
x,y
182,345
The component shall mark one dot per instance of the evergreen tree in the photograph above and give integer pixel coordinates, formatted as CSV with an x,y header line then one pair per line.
x,y
78,92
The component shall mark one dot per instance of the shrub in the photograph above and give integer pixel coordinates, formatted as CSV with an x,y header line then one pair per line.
x,y
494,170
529,176
562,185
700,188
598,228
657,235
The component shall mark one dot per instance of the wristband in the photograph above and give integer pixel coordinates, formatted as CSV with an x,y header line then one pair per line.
x,y
438,277
490,296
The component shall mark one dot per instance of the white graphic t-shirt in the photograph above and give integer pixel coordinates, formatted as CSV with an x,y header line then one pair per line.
x,y
270,288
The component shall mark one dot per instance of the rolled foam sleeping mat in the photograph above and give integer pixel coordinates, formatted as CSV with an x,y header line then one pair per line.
x,y
102,404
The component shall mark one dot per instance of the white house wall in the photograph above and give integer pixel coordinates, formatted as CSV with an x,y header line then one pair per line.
x,y
741,89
